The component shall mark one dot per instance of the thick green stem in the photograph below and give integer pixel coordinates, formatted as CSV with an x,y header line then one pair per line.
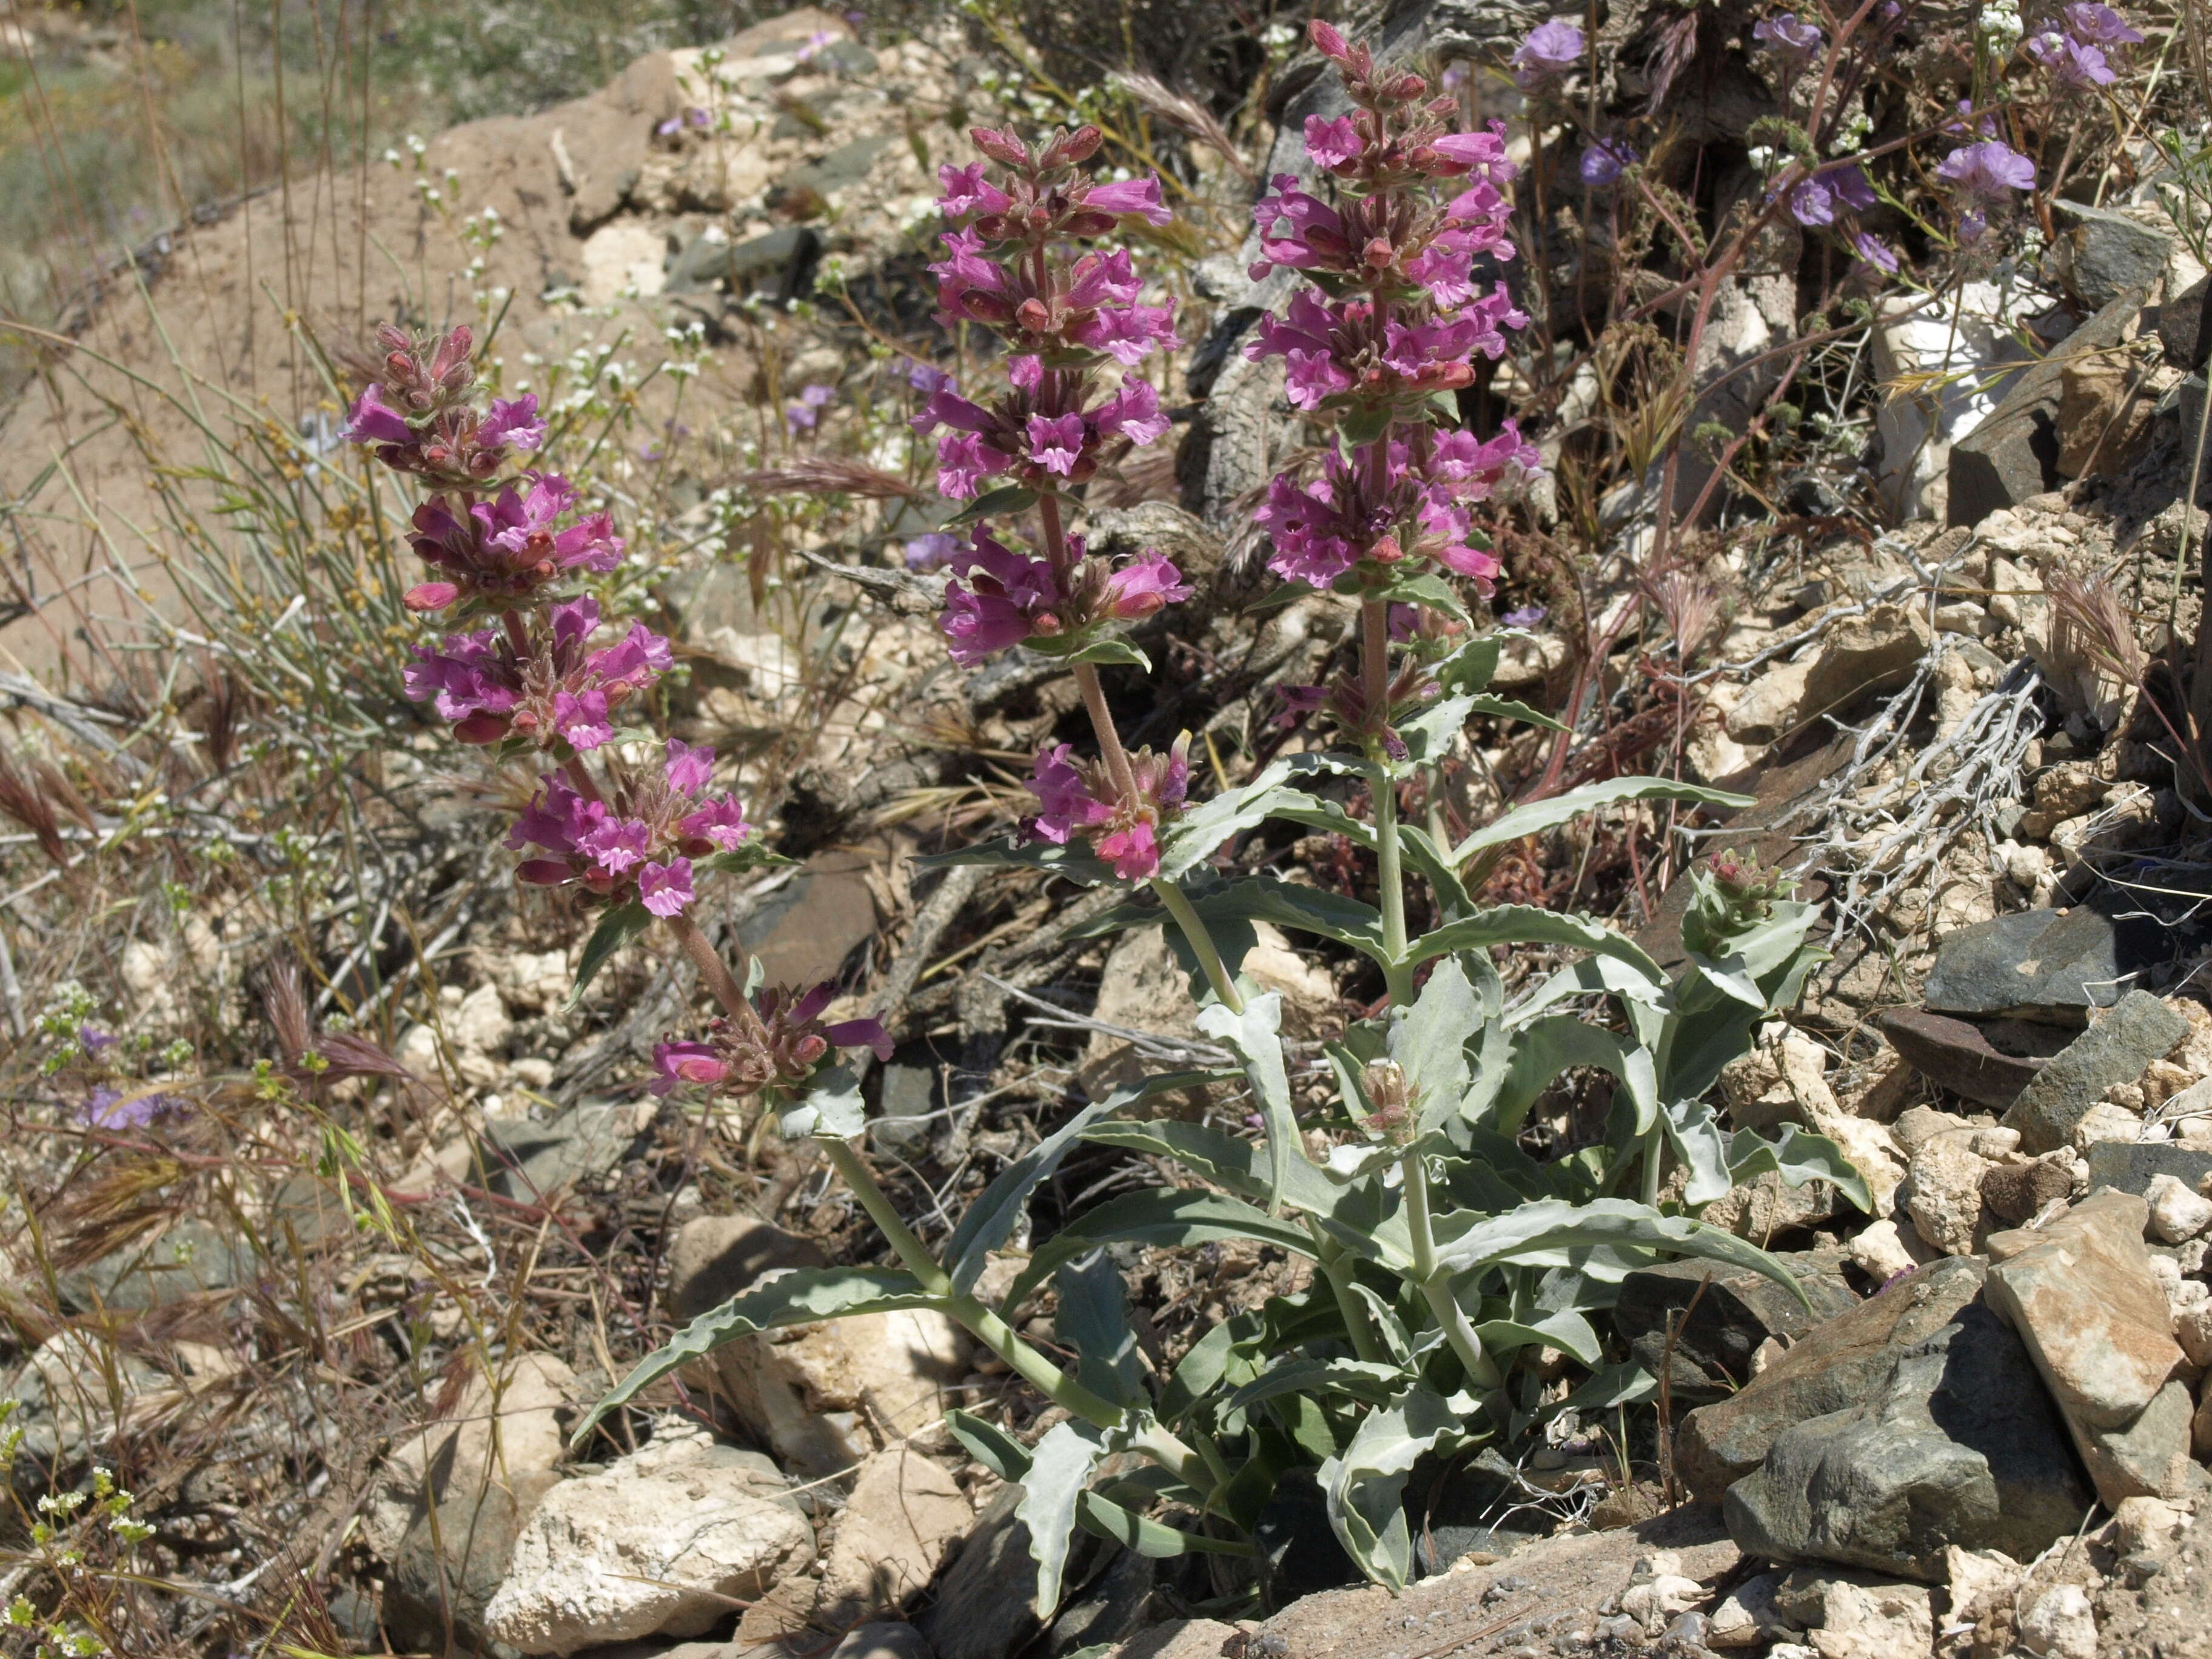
x,y
1158,1443
1655,1162
1202,943
1336,1268
1435,1282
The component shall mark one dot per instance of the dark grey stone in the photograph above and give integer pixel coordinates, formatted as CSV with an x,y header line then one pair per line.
x,y
1961,1445
908,1091
1112,1607
2129,1165
2182,334
986,1605
189,1258
782,263
2104,255
1735,1310
1837,1365
2045,964
2013,453
527,1161
2118,1048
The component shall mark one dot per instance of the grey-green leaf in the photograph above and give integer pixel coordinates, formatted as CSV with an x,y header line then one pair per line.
x,y
616,928
799,1296
1366,1484
992,1216
1255,1035
1539,816
1524,924
832,1110
1059,1468
1553,1225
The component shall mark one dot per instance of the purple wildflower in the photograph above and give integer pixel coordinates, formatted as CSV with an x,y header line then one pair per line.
x,y
1606,160
1551,50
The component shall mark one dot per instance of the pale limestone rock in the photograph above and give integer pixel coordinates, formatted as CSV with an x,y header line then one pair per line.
x,y
2177,1213
2060,1624
1944,1195
659,1543
904,1513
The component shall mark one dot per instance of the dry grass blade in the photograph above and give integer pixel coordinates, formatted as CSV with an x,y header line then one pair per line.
x,y
827,474
2088,621
1688,604
1179,110
22,799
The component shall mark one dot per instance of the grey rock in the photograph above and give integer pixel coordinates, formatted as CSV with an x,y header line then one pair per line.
x,y
2053,965
1837,1365
986,1604
782,262
2104,255
529,1161
599,198
2013,453
845,164
1960,1445
1112,1607
190,1258
2182,334
2080,1291
2129,1165
908,1091
1735,1310
716,1257
2150,1458
69,1394
2118,1048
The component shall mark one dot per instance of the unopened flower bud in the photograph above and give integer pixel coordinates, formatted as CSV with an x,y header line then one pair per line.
x,y
1034,315
1378,252
1001,147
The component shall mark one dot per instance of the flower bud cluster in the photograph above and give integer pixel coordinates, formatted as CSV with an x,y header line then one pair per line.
x,y
421,415
1004,598
550,689
644,833
779,1049
1077,799
1394,318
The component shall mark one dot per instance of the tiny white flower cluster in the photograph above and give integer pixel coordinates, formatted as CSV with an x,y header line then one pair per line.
x,y
1999,22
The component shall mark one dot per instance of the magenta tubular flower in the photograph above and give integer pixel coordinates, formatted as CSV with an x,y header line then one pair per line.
x,y
2099,25
1127,334
968,190
678,1064
1333,144
643,836
419,415
1986,172
500,552
1786,36
1065,801
1550,50
665,888
1056,445
1482,154
1008,598
1308,531
1139,197
560,690
1298,229
1144,586
1133,412
1074,799
963,461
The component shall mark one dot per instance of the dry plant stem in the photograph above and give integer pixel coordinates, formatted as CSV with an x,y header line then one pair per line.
x,y
715,972
1156,1443
1436,1284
